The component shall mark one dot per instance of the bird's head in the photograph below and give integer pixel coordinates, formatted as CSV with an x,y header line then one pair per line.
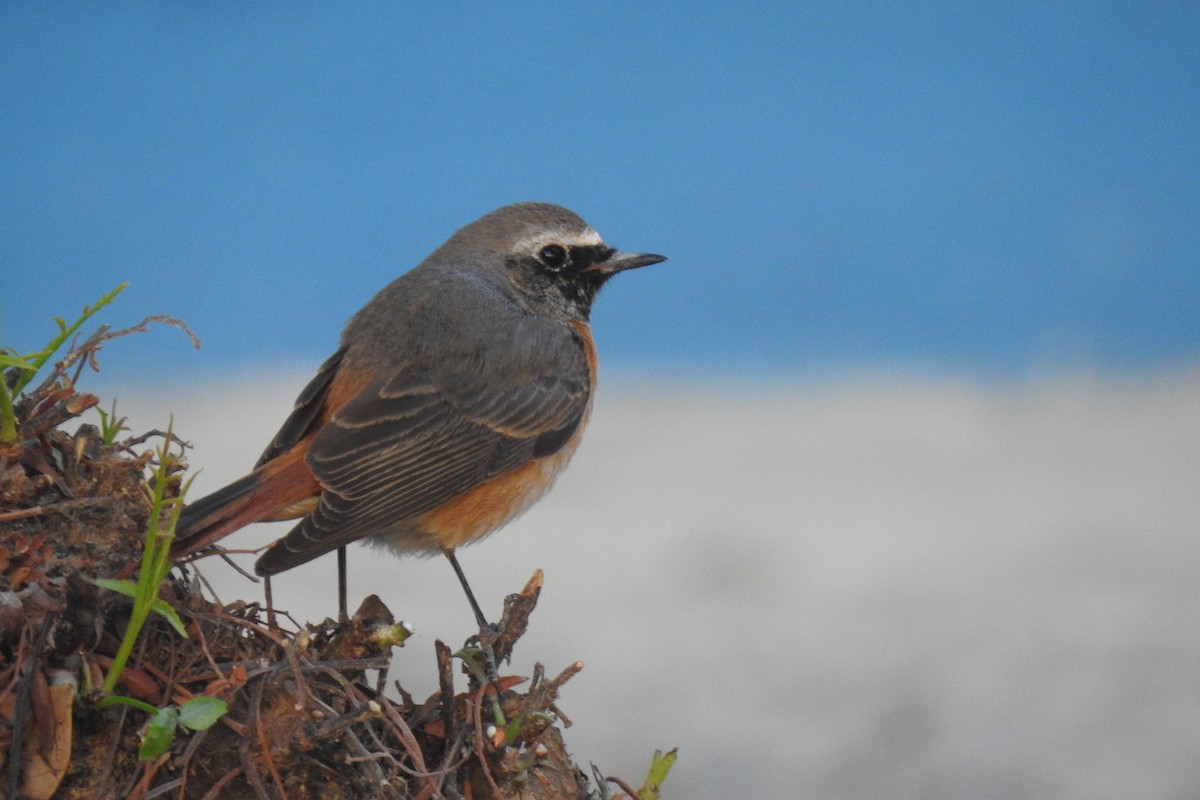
x,y
552,260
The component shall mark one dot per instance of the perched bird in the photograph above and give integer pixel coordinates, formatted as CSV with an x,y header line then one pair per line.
x,y
457,396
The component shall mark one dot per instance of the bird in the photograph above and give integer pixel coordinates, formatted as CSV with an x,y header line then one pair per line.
x,y
455,398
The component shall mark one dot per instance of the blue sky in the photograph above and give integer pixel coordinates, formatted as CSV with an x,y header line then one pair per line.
x,y
947,186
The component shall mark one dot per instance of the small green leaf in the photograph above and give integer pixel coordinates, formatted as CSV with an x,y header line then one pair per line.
x,y
200,713
162,608
660,765
127,588
21,362
110,424
473,659
513,728
159,734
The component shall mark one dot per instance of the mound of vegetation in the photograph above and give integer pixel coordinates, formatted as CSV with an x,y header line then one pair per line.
x,y
120,678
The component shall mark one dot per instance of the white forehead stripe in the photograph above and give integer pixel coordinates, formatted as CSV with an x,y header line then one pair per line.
x,y
587,236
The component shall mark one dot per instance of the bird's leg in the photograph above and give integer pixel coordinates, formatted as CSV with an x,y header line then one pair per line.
x,y
341,556
482,620
486,632
270,602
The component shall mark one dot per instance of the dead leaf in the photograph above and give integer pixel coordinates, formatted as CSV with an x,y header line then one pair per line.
x,y
45,761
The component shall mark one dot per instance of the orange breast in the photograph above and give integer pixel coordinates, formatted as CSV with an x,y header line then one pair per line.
x,y
486,508
489,506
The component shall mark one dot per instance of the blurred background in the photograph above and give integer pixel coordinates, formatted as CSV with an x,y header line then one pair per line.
x,y
891,488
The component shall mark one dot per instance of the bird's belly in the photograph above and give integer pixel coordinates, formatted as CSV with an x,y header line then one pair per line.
x,y
481,510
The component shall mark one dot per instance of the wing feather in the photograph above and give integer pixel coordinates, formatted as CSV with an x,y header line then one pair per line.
x,y
307,409
409,443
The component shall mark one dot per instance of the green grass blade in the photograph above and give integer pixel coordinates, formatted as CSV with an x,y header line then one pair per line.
x,y
116,699
126,588
20,362
65,332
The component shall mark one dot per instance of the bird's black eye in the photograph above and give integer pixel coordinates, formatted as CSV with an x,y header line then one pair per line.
x,y
553,256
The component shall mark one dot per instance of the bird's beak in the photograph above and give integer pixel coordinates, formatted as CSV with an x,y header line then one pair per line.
x,y
619,262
